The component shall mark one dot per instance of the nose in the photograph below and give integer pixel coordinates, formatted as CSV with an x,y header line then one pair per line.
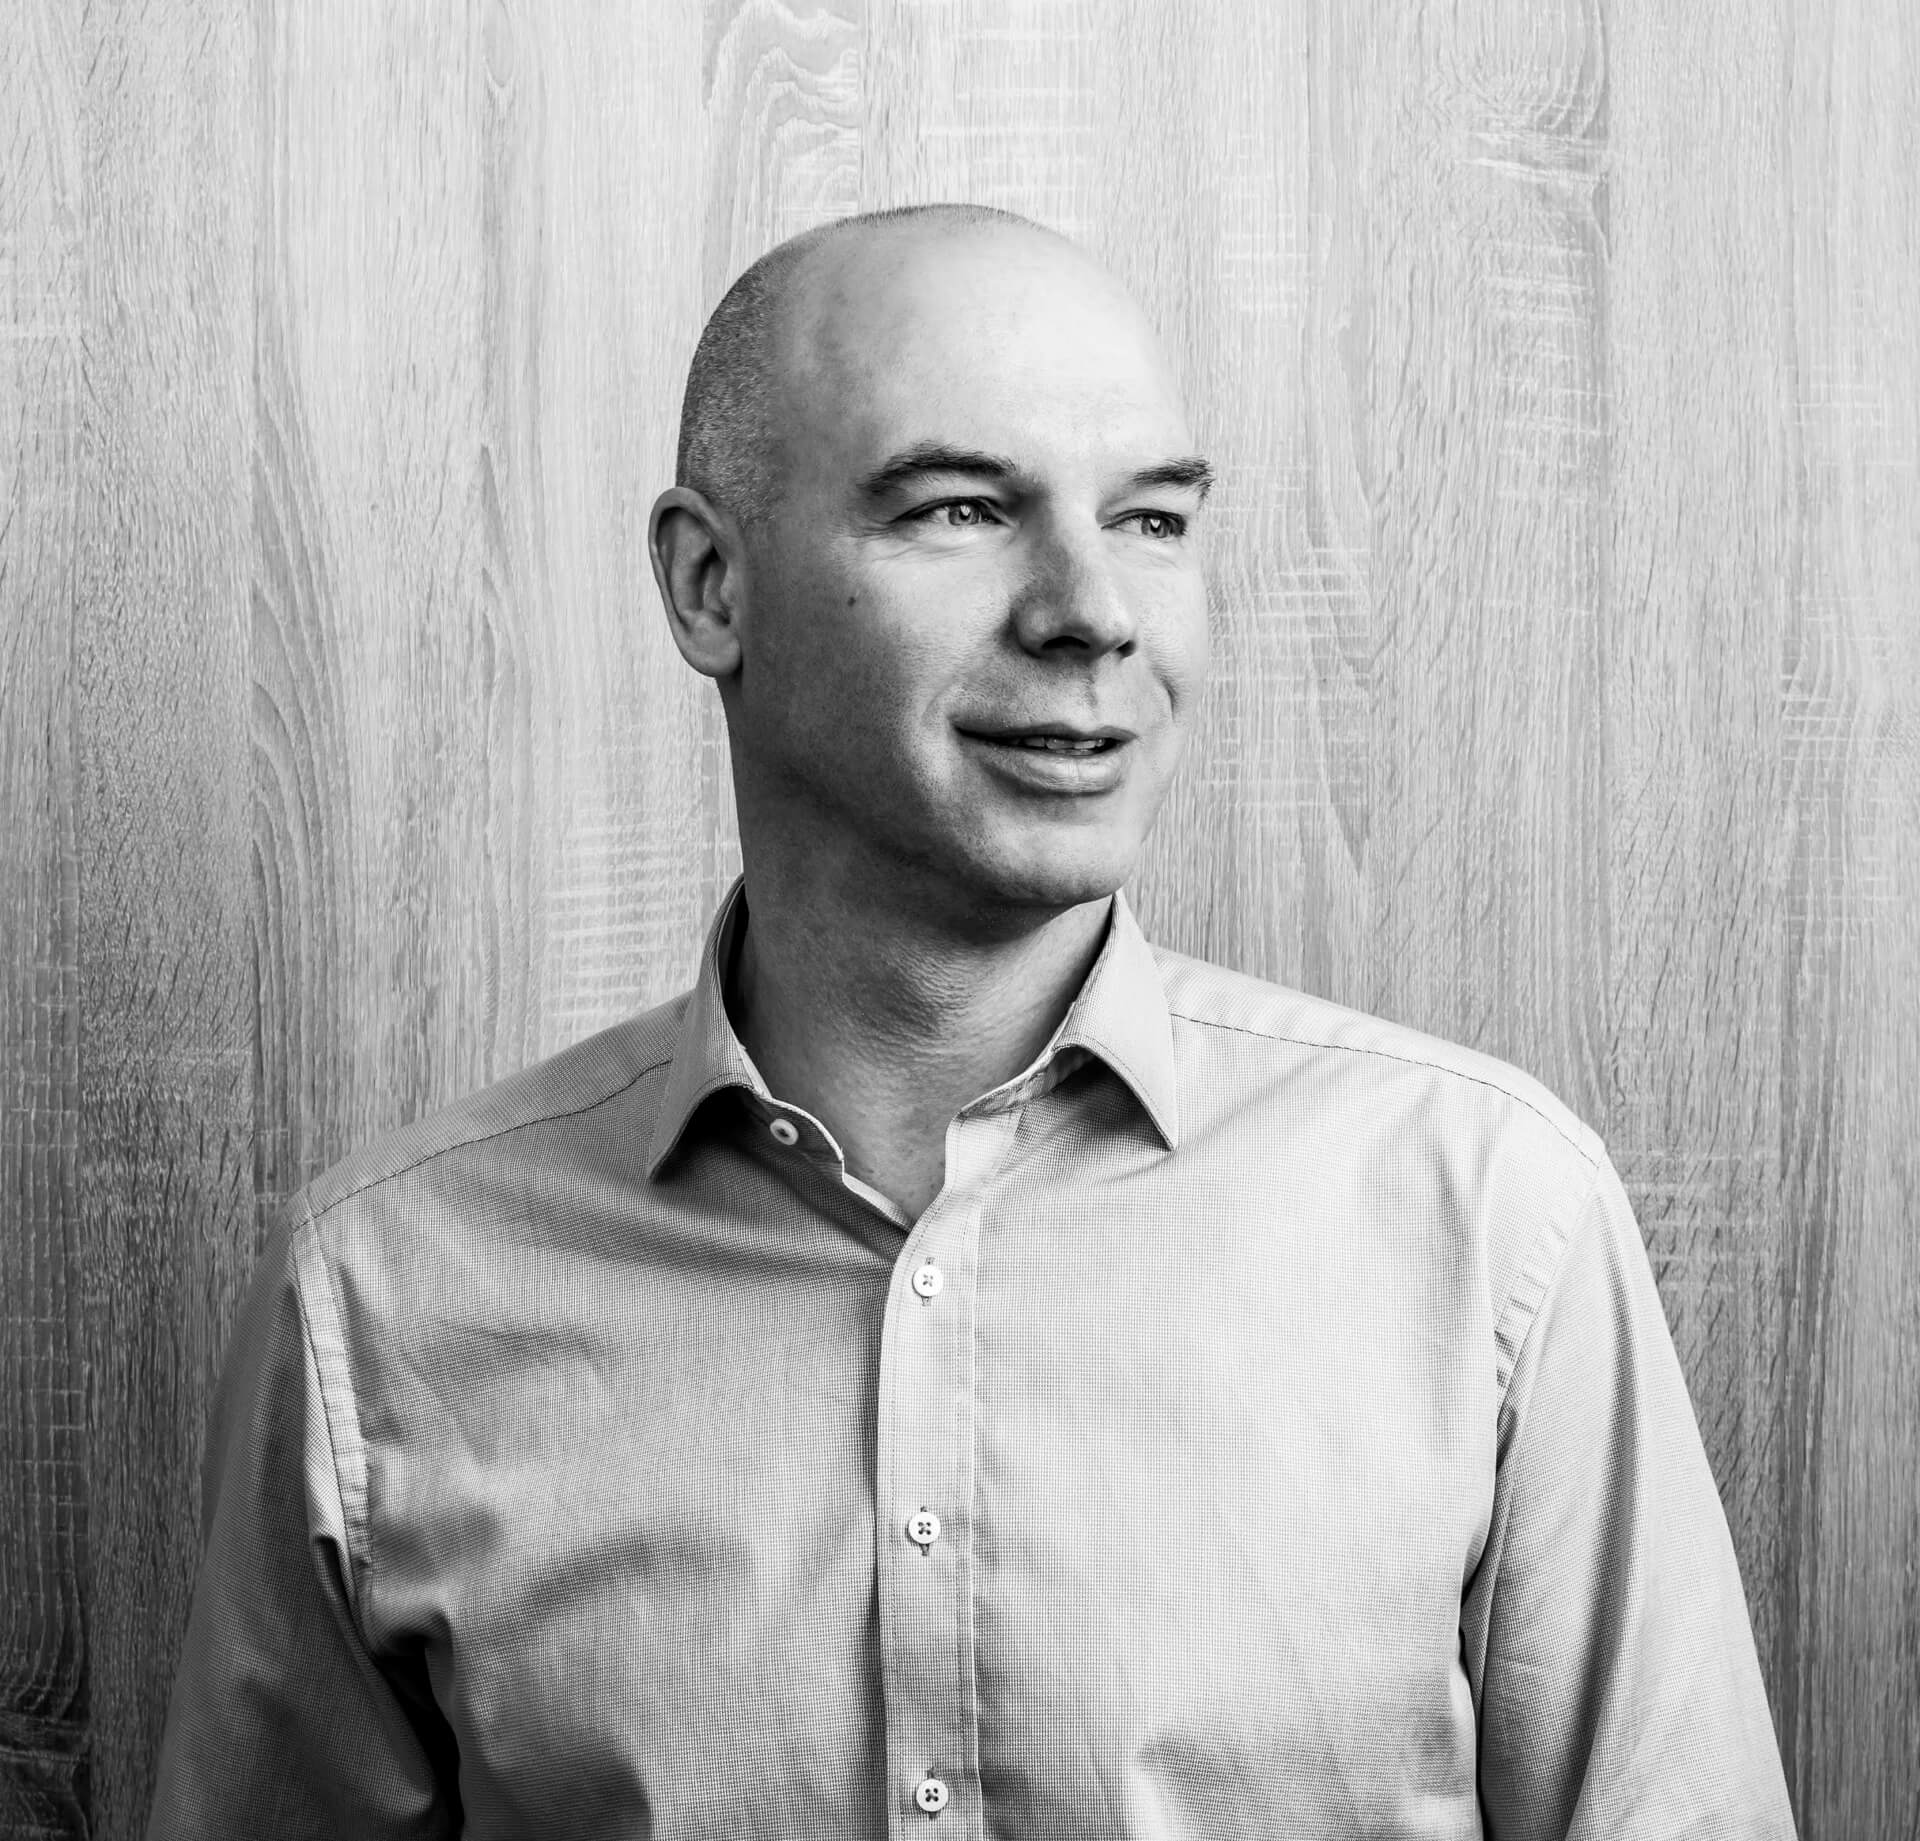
x,y
1072,601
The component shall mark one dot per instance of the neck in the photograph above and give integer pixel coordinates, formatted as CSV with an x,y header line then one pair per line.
x,y
882,1017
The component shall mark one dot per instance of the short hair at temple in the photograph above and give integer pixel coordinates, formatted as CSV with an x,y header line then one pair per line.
x,y
725,432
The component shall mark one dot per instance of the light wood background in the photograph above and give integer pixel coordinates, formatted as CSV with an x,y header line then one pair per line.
x,y
1562,361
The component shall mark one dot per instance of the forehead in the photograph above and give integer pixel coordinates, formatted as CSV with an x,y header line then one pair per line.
x,y
1007,340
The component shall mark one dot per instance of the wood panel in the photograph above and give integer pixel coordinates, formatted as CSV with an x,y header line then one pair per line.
x,y
1848,1589
1699,517
43,1481
1560,368
475,823
166,1159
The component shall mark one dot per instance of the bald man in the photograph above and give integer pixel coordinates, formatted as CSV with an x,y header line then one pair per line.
x,y
961,1370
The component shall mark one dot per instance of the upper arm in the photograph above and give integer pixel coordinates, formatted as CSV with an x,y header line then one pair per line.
x,y
282,1721
1606,1628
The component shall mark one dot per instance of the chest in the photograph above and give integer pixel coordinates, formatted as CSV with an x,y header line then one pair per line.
x,y
1106,1523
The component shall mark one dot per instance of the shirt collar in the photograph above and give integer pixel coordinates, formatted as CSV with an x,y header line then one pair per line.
x,y
1120,1016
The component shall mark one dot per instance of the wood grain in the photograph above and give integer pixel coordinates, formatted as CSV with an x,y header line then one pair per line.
x,y
1560,368
1696,587
476,820
43,1481
166,1147
1848,1588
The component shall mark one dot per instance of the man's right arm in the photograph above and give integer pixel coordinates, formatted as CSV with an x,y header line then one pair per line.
x,y
282,1721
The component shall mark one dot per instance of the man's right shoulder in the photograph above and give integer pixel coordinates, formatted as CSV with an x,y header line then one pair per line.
x,y
623,1067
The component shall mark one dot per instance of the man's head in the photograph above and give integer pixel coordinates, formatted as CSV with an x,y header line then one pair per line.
x,y
931,539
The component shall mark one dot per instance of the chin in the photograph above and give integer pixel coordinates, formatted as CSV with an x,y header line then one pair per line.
x,y
1058,875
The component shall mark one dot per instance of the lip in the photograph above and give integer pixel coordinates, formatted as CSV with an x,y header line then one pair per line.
x,y
1037,770
1059,731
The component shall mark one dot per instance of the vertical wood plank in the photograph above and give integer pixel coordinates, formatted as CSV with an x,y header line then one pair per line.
x,y
477,842
381,677
1699,516
43,1495
1849,1592
1464,202
166,1153
625,890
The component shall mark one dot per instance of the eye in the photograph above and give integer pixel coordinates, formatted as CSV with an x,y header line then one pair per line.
x,y
1161,526
955,514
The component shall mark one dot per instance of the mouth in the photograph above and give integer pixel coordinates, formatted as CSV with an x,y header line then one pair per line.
x,y
1053,739
1055,759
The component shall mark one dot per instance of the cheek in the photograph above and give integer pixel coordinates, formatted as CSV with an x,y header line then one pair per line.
x,y
1184,650
844,669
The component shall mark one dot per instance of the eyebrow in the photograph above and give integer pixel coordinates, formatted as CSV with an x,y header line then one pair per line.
x,y
929,457
933,457
1191,470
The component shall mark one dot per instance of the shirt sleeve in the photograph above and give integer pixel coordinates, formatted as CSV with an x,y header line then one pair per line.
x,y
1605,1629
281,1721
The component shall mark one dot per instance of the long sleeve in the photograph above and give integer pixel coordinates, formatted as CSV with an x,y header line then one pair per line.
x,y
1606,1630
281,1721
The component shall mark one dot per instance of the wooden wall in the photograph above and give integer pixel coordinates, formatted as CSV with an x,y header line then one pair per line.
x,y
1563,365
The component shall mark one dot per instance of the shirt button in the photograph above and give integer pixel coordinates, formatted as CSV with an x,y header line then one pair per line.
x,y
928,1280
931,1795
785,1131
923,1527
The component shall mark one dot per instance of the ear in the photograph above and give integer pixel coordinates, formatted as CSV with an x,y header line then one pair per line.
x,y
698,565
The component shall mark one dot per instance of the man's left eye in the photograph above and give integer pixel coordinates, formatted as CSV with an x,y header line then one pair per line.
x,y
1159,525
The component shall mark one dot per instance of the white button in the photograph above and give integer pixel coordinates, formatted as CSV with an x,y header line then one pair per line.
x,y
923,1527
928,1280
785,1130
931,1795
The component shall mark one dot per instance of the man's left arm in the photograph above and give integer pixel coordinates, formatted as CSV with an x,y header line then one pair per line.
x,y
1605,1630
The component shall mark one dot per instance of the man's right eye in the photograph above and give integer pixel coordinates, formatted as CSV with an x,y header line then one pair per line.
x,y
956,514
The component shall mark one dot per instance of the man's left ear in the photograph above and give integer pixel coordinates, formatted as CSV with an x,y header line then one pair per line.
x,y
696,552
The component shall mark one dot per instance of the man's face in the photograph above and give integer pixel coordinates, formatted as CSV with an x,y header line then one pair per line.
x,y
974,629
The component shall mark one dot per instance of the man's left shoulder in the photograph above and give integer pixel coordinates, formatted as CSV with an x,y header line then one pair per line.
x,y
1246,1041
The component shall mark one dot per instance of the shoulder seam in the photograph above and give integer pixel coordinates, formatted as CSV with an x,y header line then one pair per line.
x,y
1350,1048
482,1137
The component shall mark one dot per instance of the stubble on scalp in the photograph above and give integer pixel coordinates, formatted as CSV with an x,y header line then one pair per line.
x,y
729,448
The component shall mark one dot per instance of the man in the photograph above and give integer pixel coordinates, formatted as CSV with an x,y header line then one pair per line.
x,y
960,1371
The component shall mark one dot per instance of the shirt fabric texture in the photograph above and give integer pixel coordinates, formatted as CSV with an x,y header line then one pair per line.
x,y
1270,1430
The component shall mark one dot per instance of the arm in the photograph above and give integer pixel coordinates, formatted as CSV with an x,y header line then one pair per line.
x,y
1605,1630
282,1722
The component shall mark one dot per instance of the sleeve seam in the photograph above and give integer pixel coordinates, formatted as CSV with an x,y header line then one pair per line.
x,y
1526,1300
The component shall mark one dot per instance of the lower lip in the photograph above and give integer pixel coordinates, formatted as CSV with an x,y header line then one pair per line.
x,y
1047,770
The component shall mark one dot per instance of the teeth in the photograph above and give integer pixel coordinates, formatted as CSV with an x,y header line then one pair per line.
x,y
1060,744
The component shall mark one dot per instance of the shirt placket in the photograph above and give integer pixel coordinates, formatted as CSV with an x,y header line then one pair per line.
x,y
924,1498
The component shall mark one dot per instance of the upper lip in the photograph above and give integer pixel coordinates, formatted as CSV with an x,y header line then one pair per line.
x,y
1058,731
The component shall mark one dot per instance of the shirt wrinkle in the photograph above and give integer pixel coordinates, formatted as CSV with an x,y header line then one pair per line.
x,y
339,1414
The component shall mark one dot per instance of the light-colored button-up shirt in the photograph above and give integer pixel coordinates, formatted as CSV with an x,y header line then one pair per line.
x,y
1270,1430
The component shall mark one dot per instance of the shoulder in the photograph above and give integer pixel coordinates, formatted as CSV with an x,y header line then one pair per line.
x,y
1386,1131
1356,1062
477,1143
